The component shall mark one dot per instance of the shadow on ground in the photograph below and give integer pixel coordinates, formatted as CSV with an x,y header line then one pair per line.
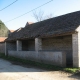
x,y
6,66
76,76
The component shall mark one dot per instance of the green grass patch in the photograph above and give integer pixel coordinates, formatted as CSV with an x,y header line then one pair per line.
x,y
72,70
39,65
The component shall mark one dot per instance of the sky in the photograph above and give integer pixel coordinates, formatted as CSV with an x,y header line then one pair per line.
x,y
55,7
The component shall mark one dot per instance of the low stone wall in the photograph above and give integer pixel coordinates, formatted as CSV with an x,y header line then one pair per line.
x,y
49,57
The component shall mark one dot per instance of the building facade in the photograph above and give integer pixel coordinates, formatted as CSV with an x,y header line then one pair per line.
x,y
54,41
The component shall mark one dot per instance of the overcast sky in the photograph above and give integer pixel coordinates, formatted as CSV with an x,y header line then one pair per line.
x,y
55,7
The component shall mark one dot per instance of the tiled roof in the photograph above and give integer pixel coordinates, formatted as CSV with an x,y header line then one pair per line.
x,y
2,39
61,25
28,23
12,31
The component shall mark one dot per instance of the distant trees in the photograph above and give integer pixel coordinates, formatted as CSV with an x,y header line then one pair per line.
x,y
39,16
3,30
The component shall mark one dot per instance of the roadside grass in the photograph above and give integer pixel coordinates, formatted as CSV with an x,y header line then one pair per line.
x,y
39,65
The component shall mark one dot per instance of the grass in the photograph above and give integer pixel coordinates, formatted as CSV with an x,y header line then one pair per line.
x,y
72,70
39,65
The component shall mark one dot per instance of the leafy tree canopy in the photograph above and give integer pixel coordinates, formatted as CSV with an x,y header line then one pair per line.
x,y
3,30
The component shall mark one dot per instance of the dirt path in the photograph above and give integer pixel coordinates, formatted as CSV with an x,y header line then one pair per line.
x,y
9,71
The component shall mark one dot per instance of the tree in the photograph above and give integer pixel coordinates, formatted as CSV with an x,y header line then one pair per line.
x,y
48,16
39,16
3,30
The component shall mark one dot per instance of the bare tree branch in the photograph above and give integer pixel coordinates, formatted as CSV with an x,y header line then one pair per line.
x,y
39,16
49,16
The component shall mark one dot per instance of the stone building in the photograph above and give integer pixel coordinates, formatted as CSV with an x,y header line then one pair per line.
x,y
52,41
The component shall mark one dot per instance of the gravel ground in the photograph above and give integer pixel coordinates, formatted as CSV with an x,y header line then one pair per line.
x,y
9,71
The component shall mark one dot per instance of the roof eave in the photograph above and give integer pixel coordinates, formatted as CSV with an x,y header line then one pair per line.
x,y
43,36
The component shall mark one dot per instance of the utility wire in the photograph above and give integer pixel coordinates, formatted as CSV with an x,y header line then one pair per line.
x,y
29,11
9,5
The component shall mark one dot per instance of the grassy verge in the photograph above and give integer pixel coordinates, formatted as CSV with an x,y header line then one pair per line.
x,y
39,65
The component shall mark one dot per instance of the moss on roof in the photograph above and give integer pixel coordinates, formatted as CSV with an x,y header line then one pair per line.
x,y
3,30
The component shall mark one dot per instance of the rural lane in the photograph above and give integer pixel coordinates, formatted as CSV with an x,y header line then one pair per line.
x,y
9,71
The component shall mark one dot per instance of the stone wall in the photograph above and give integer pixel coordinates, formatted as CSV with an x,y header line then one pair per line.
x,y
2,47
10,46
59,44
76,49
49,57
